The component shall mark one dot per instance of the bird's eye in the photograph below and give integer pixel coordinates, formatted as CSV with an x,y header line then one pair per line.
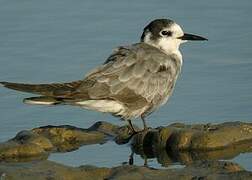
x,y
166,33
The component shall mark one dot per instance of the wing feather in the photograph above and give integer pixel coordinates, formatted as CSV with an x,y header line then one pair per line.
x,y
134,70
138,70
126,74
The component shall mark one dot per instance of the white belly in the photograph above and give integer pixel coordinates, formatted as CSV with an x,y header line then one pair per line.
x,y
102,105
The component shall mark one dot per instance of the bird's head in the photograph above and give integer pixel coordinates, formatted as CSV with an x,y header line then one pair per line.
x,y
166,35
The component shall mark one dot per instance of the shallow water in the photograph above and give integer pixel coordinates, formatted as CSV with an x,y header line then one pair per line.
x,y
49,41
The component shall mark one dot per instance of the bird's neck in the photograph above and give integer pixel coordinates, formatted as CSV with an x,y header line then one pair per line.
x,y
167,49
167,46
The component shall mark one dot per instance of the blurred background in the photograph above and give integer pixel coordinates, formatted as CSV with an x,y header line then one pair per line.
x,y
58,41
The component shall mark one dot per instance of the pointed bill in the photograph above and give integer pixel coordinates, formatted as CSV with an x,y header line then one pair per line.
x,y
192,37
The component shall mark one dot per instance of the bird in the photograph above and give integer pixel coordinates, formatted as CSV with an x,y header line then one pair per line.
x,y
134,81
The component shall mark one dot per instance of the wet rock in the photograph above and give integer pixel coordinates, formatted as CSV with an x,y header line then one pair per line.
x,y
25,137
39,142
196,137
167,157
50,170
120,135
105,127
44,170
197,170
68,138
174,143
15,152
25,145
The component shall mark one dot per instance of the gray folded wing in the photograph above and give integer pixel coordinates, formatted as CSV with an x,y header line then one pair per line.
x,y
135,74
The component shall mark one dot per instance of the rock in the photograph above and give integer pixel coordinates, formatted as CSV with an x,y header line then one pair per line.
x,y
44,170
15,152
198,170
25,137
176,138
68,138
198,147
196,137
39,142
105,127
25,145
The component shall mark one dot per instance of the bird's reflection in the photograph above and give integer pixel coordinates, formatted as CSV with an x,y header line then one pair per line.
x,y
167,156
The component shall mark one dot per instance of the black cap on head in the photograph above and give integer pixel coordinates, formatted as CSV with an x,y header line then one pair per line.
x,y
155,27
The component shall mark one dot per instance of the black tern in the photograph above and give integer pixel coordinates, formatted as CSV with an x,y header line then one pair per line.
x,y
134,81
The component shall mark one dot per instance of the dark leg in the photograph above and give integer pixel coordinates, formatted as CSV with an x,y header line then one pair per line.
x,y
131,159
145,162
131,127
144,123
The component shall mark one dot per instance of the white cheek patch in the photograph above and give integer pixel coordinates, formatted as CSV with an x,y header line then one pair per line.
x,y
177,30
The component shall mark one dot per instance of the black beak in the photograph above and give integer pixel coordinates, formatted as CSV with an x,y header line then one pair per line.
x,y
191,37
